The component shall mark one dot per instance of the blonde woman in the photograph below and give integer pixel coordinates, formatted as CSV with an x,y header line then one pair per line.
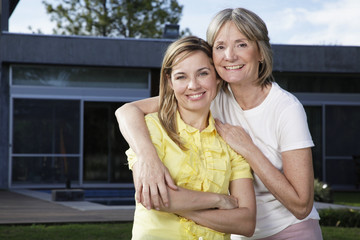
x,y
204,168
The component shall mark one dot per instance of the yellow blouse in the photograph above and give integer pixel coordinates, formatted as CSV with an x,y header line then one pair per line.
x,y
209,165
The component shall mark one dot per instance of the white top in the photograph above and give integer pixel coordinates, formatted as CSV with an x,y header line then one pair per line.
x,y
278,124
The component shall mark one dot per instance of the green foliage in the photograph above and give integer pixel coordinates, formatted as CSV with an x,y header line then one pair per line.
x,y
342,217
114,18
322,192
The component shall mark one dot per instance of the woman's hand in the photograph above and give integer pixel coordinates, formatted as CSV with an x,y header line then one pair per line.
x,y
150,180
237,138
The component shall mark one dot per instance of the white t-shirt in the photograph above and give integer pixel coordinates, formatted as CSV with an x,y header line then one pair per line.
x,y
278,124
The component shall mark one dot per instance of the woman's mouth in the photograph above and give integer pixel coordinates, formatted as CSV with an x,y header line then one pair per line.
x,y
196,96
235,67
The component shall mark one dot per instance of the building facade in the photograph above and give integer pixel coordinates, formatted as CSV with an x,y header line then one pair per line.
x,y
58,95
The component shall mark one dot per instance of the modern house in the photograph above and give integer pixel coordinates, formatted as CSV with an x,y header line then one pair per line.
x,y
58,95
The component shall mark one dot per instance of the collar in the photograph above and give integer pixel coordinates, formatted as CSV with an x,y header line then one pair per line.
x,y
182,126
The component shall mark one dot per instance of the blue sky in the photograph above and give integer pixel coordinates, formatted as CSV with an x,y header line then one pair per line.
x,y
306,22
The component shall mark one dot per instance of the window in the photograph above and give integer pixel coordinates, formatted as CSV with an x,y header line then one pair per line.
x,y
45,140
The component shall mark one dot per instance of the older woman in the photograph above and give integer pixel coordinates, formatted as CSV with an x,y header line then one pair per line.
x,y
269,129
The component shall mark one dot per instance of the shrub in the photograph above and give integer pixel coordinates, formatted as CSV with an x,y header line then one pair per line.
x,y
322,192
342,217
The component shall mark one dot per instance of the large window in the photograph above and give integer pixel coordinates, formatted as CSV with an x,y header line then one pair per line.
x,y
342,143
104,147
45,141
63,127
57,76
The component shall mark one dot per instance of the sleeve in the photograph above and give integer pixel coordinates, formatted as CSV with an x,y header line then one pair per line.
x,y
240,168
156,133
293,129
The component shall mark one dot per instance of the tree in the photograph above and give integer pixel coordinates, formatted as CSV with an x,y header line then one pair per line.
x,y
114,18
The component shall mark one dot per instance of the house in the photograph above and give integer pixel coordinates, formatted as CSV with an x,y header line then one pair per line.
x,y
58,95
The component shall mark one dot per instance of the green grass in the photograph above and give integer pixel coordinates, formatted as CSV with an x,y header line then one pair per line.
x,y
347,198
108,231
336,233
118,231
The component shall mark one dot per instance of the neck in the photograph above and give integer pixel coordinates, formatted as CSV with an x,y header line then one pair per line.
x,y
249,96
198,120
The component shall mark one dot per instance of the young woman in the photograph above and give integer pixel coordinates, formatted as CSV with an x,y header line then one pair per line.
x,y
269,129
203,166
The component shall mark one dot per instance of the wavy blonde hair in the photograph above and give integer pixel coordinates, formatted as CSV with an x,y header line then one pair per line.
x,y
254,29
175,53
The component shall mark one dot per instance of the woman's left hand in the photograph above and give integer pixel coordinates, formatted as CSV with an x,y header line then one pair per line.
x,y
237,138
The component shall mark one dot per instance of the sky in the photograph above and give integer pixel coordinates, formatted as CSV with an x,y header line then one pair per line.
x,y
306,22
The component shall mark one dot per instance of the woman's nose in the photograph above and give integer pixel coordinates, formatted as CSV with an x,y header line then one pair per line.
x,y
193,83
230,54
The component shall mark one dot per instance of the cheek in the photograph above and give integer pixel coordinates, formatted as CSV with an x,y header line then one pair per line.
x,y
216,58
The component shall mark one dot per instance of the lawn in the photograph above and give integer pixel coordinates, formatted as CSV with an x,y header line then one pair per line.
x,y
118,231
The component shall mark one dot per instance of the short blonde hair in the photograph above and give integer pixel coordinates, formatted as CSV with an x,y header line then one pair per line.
x,y
254,29
168,103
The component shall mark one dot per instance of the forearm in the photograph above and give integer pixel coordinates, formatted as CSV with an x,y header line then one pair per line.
x,y
133,127
237,221
295,193
188,200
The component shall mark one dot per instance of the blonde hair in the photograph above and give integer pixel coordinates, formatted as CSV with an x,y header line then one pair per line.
x,y
254,29
168,103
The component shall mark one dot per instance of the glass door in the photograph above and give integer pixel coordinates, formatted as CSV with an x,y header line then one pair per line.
x,y
104,158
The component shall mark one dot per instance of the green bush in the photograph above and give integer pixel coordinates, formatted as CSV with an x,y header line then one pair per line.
x,y
322,192
342,217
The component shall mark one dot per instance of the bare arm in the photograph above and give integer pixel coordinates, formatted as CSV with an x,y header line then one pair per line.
x,y
189,200
239,220
294,188
150,175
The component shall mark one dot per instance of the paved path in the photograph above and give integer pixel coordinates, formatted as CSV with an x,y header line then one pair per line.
x,y
27,207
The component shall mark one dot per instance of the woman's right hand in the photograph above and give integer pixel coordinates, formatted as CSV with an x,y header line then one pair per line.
x,y
227,202
150,180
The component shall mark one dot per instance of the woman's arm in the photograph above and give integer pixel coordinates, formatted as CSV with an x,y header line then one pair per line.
x,y
150,175
294,188
189,200
239,220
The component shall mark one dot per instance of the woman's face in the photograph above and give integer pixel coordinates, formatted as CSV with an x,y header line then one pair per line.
x,y
194,82
236,59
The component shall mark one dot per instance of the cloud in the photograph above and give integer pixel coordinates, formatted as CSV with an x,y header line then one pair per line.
x,y
332,23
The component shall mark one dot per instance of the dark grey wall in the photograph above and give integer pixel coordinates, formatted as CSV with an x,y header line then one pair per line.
x,y
330,59
70,50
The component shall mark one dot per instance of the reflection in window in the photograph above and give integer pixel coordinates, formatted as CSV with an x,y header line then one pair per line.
x,y
318,82
57,76
342,130
104,146
45,170
314,117
46,136
46,126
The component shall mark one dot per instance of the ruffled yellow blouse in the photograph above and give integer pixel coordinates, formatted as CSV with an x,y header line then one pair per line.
x,y
208,165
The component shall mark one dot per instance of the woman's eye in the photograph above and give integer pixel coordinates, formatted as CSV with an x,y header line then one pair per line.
x,y
204,73
219,47
242,45
179,77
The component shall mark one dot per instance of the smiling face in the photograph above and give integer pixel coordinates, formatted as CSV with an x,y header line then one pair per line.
x,y
235,57
194,82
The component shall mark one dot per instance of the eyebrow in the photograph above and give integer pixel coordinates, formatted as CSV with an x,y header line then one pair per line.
x,y
200,69
237,40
